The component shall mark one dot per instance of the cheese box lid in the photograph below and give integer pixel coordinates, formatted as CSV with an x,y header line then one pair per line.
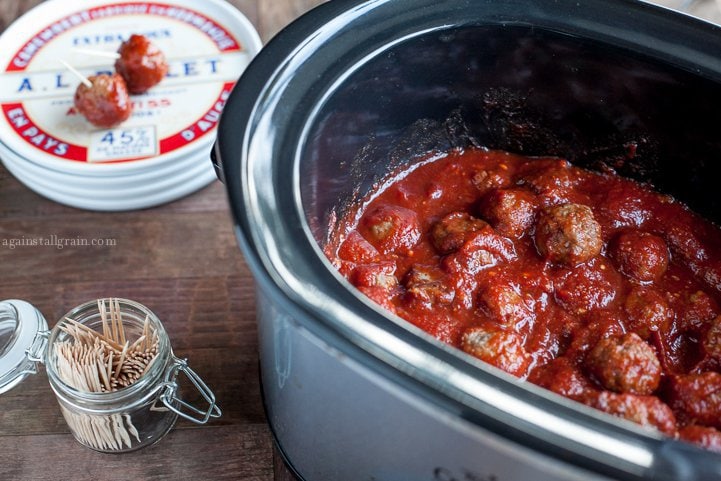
x,y
208,44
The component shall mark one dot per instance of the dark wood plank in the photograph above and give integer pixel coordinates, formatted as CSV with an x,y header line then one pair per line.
x,y
282,472
161,243
218,453
12,9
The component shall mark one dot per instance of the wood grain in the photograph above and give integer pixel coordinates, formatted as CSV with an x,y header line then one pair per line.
x,y
219,452
182,261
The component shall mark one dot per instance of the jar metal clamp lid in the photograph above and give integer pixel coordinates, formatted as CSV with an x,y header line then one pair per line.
x,y
25,341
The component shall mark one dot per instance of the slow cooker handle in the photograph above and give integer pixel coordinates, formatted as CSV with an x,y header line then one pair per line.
x,y
217,163
676,461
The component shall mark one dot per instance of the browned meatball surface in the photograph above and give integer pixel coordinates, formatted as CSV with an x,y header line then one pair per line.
x,y
625,364
706,437
141,64
600,325
106,102
644,410
563,377
356,249
379,274
712,340
647,311
590,286
640,255
510,211
552,180
488,179
427,286
451,232
697,398
496,346
391,229
568,234
504,304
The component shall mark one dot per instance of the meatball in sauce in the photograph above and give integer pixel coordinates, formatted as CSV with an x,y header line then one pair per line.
x,y
588,284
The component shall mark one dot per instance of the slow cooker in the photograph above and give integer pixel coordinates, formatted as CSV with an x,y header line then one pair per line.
x,y
353,90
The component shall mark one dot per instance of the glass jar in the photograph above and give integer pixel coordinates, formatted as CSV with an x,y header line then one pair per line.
x,y
116,421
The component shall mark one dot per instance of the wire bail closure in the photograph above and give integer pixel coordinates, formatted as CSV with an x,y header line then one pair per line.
x,y
185,410
36,352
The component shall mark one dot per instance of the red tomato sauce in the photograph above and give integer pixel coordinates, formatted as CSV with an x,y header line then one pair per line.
x,y
588,284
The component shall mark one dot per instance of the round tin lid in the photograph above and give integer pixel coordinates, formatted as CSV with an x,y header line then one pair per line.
x,y
23,337
208,44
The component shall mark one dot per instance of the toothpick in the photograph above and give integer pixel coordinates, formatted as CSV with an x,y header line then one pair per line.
x,y
77,326
80,76
119,318
103,316
97,362
113,322
146,332
138,342
103,372
122,358
98,53
110,365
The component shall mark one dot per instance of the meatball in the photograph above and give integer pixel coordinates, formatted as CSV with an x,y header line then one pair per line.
x,y
590,286
106,102
141,64
426,287
625,205
552,179
441,325
550,332
697,310
356,249
380,274
601,324
562,377
453,230
640,255
380,295
486,180
697,397
644,410
391,229
712,340
498,347
708,438
625,364
510,211
568,234
503,303
647,311
482,249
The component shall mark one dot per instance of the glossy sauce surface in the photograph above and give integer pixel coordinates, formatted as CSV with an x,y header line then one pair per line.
x,y
588,284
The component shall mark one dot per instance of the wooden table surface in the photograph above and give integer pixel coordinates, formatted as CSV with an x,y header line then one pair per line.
x,y
180,260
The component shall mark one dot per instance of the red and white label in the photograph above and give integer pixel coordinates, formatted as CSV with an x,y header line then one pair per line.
x,y
36,90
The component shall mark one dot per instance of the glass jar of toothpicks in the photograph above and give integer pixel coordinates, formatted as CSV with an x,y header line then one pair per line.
x,y
113,371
